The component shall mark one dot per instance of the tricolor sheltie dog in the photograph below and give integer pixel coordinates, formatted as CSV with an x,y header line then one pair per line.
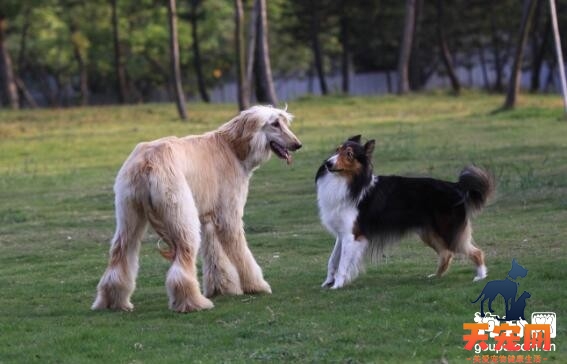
x,y
365,211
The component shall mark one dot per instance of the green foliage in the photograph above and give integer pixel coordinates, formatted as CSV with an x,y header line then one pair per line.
x,y
56,218
42,35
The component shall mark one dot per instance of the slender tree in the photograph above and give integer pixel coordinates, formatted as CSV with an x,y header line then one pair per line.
x,y
22,61
315,25
514,84
265,90
496,46
174,59
538,51
483,67
24,94
8,75
241,81
80,56
194,17
405,47
345,45
418,62
251,51
444,48
119,69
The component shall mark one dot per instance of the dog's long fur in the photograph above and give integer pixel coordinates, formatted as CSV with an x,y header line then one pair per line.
x,y
192,190
367,211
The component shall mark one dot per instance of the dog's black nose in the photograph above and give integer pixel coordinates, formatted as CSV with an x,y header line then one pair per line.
x,y
297,146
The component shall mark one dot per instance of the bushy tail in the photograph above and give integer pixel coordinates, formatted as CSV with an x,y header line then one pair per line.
x,y
479,186
156,218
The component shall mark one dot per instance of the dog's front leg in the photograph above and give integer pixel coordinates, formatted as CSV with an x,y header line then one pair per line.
x,y
352,254
333,264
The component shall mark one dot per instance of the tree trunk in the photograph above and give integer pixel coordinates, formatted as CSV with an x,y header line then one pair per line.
x,y
197,52
316,48
416,66
444,48
62,97
83,78
119,70
538,56
25,93
8,76
405,48
549,85
174,59
251,52
265,90
45,86
498,86
22,62
483,67
79,57
514,85
241,81
345,54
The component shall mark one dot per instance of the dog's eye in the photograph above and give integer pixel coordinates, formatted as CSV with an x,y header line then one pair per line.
x,y
276,124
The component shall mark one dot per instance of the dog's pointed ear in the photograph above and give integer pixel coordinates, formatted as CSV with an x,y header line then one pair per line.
x,y
369,147
355,138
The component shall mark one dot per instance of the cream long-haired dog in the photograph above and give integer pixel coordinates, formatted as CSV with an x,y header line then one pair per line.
x,y
192,190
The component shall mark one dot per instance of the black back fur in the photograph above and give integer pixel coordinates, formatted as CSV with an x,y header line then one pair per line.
x,y
395,205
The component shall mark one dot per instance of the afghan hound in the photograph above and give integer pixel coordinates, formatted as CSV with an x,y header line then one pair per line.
x,y
193,189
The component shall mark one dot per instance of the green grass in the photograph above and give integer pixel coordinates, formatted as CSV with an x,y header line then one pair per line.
x,y
57,168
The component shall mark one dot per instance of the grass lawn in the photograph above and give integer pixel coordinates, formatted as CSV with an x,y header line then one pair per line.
x,y
57,168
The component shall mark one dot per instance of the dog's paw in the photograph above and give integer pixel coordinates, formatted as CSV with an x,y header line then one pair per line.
x,y
328,283
127,306
339,283
263,287
431,276
191,305
101,304
481,273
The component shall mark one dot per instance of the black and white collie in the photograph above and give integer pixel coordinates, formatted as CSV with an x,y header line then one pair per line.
x,y
364,210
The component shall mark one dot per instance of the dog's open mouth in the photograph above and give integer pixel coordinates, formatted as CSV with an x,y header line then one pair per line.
x,y
281,152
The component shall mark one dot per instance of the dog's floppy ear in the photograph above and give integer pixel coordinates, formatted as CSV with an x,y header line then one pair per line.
x,y
355,138
369,147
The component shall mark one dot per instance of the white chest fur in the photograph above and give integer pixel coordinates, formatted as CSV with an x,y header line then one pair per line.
x,y
336,209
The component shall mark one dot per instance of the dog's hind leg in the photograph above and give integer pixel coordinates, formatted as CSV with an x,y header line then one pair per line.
x,y
475,254
182,284
233,240
333,264
119,280
219,274
445,256
174,216
445,259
